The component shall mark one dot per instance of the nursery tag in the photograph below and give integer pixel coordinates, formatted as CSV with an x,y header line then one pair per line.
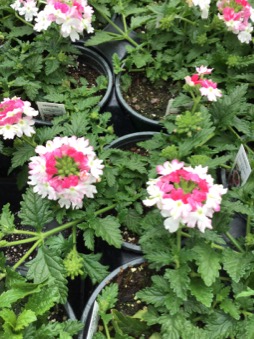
x,y
94,321
50,109
241,169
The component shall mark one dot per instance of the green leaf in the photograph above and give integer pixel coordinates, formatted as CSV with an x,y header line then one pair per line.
x,y
89,239
21,155
96,271
108,229
179,281
208,262
129,325
51,65
35,211
250,328
17,292
107,298
48,133
57,329
99,38
24,319
201,292
49,266
7,220
9,317
41,302
220,325
159,294
229,307
236,264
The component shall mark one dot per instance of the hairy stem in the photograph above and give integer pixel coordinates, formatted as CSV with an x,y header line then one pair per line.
x,y
20,242
123,33
26,255
235,242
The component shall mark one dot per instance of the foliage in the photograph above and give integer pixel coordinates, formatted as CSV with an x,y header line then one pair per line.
x,y
25,306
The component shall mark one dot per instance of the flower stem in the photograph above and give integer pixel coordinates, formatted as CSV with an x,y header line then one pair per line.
x,y
74,237
178,245
24,21
24,232
124,34
75,222
213,245
20,242
25,256
29,141
235,242
248,224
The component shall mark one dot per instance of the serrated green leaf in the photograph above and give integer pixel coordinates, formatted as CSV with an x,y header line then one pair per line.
x,y
158,294
201,292
179,281
55,329
220,325
21,155
89,238
110,176
229,307
208,262
250,328
41,302
96,271
99,38
49,266
48,133
236,264
108,229
51,65
8,316
129,325
34,210
24,319
6,220
107,298
16,292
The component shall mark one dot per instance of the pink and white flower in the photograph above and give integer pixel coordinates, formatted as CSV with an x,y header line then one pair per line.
x,y
238,17
206,87
66,170
73,16
16,118
185,196
28,8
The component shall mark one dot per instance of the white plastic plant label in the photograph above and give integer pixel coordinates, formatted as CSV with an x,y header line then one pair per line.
x,y
94,321
241,169
49,110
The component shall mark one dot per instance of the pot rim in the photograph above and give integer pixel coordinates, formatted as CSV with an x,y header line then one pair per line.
x,y
99,288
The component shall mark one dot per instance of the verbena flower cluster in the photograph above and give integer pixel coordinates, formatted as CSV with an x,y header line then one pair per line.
x,y
238,16
206,87
65,170
16,118
73,16
185,196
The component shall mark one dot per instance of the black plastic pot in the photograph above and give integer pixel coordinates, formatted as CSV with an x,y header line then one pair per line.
x,y
99,63
86,318
139,121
